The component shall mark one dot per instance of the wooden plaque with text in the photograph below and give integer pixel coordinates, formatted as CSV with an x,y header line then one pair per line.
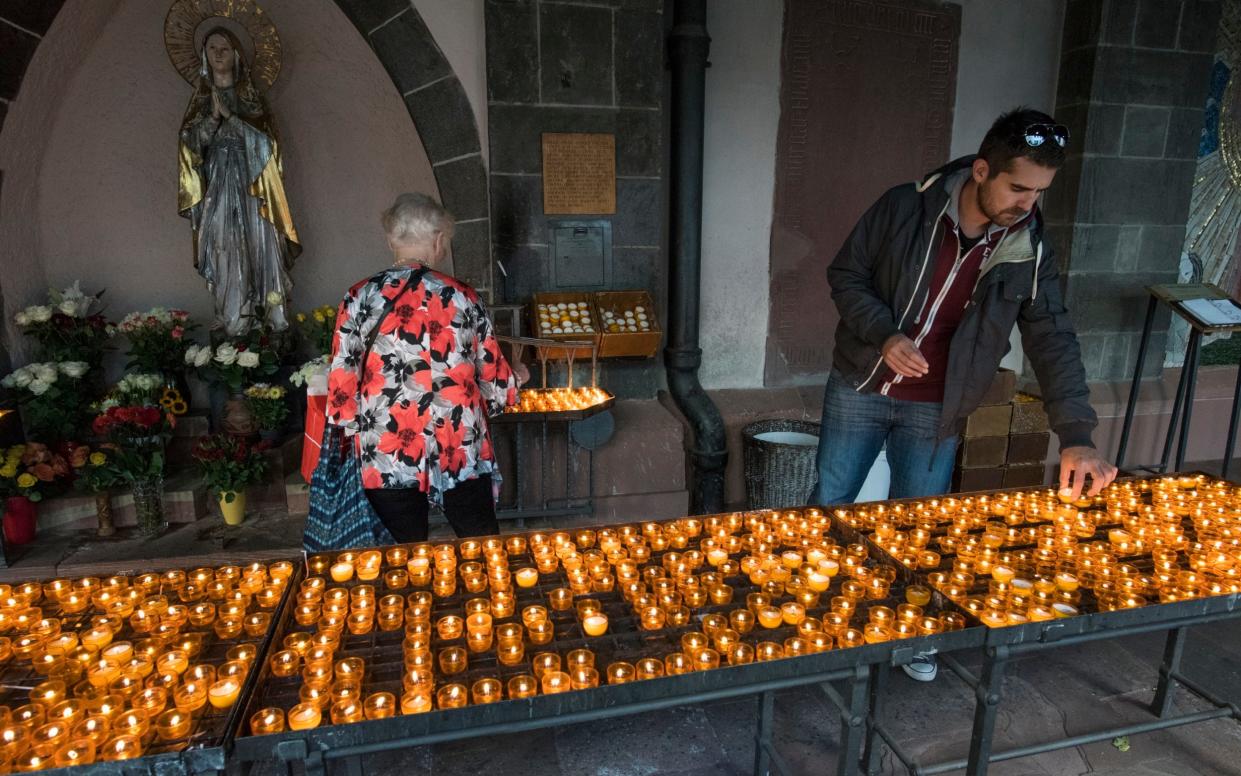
x,y
579,173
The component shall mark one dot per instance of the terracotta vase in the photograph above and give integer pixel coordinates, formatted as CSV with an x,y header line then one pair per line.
x,y
20,520
103,509
237,418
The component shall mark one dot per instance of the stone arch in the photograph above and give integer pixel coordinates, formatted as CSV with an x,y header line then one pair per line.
x,y
433,95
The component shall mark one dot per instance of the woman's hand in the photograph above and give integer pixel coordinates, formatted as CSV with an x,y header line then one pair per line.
x,y
522,373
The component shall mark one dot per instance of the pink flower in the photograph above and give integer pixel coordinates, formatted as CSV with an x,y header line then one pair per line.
x,y
177,332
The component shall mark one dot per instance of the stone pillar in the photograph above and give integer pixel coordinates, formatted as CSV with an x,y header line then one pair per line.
x,y
1134,76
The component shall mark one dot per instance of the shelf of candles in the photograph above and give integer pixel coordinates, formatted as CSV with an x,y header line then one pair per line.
x,y
1018,557
115,668
563,404
373,634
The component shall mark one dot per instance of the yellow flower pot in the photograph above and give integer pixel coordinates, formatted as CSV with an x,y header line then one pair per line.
x,y
234,511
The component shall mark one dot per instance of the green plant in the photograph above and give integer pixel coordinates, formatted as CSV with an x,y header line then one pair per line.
x,y
267,405
136,437
317,328
230,464
53,397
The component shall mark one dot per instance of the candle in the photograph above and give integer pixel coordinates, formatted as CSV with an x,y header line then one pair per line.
x,y
556,682
342,571
522,686
266,721
560,599
305,716
224,692
621,672
487,690
416,701
649,668
527,577
453,660
595,624
173,724
452,696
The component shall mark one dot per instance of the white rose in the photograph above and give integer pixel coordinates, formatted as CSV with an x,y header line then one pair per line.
x,y
274,298
226,354
22,318
248,359
203,357
191,353
38,387
22,377
44,372
40,313
74,369
69,307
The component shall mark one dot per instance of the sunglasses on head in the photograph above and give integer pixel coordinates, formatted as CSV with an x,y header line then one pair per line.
x,y
1037,134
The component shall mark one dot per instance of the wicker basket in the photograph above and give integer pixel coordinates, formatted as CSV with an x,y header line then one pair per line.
x,y
779,462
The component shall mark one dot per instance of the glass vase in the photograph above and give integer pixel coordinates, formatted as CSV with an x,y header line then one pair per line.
x,y
149,505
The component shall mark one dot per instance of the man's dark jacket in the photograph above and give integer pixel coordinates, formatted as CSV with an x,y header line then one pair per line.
x,y
880,282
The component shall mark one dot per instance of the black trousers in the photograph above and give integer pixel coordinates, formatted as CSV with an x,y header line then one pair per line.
x,y
469,507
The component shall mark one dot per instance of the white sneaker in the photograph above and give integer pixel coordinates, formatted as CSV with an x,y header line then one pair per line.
x,y
923,667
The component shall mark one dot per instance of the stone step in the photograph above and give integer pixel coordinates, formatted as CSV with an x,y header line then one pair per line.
x,y
185,500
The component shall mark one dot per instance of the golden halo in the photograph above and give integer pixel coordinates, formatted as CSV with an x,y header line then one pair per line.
x,y
189,20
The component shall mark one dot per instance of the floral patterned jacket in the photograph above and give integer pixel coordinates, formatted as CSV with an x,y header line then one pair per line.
x,y
433,376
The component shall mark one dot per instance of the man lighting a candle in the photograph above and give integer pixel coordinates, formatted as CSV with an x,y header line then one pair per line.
x,y
929,286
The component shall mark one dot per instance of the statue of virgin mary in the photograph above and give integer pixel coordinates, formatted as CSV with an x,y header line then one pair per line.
x,y
231,190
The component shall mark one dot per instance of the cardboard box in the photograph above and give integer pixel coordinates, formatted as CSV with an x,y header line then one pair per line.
x,y
989,421
980,452
1028,415
1028,448
1029,475
1002,389
969,480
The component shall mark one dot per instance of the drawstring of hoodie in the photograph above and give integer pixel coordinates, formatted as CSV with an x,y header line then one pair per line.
x,y
1038,257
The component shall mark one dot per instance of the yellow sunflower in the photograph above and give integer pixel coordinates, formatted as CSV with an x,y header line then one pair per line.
x,y
179,407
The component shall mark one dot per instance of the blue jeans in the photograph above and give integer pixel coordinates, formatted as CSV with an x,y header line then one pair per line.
x,y
855,427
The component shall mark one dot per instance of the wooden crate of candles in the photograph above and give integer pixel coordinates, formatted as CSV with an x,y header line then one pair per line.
x,y
409,629
1031,556
131,666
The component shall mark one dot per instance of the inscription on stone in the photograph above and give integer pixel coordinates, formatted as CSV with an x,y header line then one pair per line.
x,y
579,173
866,103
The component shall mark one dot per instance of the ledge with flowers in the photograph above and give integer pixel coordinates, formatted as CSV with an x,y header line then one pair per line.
x,y
192,419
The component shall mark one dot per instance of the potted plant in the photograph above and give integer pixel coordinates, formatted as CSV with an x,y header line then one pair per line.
x,y
157,343
136,436
53,397
230,464
30,472
226,368
98,476
67,329
269,408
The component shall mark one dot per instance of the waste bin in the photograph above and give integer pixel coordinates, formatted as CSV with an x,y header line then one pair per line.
x,y
779,460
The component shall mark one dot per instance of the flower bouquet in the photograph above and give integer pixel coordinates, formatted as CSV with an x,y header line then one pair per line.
x,y
230,464
268,406
136,436
317,328
53,398
157,339
98,475
231,364
67,329
29,473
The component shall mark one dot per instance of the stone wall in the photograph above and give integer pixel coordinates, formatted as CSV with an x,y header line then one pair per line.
x,y
1133,83
579,67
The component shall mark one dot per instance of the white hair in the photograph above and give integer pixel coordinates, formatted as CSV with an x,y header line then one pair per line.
x,y
415,218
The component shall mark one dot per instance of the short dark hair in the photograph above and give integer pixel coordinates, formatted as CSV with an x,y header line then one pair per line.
x,y
1005,141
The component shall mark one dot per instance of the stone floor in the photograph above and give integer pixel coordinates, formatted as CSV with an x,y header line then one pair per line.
x,y
1062,693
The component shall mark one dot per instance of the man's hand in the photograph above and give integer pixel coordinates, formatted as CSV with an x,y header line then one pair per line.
x,y
1075,464
522,373
903,357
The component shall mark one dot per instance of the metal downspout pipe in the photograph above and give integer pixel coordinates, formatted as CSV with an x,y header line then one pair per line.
x,y
688,48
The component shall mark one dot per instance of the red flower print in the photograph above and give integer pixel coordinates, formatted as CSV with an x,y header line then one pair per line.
x,y
407,440
374,374
371,478
342,392
463,388
452,454
440,332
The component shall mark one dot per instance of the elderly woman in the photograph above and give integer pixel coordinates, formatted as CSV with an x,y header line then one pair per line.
x,y
418,399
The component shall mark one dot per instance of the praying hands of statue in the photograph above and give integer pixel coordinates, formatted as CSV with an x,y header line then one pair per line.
x,y
218,109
